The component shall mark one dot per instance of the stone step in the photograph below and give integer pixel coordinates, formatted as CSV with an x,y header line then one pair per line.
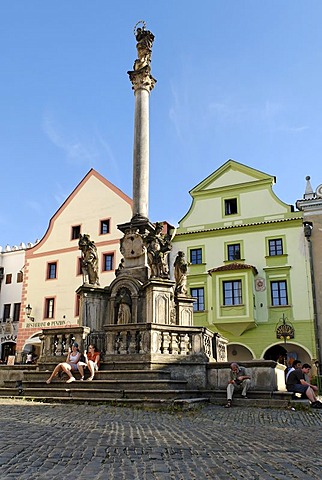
x,y
182,403
257,398
97,384
111,374
147,399
98,395
126,365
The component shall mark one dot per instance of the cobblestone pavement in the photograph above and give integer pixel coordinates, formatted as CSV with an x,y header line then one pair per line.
x,y
52,441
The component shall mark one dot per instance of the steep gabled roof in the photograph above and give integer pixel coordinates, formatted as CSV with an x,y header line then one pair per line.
x,y
214,179
90,174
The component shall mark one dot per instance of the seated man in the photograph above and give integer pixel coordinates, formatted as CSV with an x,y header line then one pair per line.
x,y
295,364
296,383
238,379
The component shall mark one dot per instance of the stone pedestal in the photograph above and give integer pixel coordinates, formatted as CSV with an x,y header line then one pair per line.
x,y
92,307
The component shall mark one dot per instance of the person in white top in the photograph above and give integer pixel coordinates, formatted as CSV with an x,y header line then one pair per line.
x,y
69,366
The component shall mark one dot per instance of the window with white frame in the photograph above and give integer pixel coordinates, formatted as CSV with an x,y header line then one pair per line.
x,y
233,251
275,247
279,293
232,292
196,256
108,262
199,295
49,308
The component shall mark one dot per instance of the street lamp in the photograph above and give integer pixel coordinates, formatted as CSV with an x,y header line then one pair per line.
x,y
28,310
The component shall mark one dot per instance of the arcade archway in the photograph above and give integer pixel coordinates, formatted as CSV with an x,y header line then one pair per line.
x,y
238,353
286,353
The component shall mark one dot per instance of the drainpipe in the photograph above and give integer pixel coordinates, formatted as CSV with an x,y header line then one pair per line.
x,y
308,227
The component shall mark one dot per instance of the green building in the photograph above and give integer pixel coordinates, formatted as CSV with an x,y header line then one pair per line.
x,y
249,267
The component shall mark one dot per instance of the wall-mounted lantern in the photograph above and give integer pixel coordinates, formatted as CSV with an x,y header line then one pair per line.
x,y
28,310
284,330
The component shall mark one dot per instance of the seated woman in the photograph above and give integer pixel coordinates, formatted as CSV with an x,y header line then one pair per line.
x,y
92,359
69,366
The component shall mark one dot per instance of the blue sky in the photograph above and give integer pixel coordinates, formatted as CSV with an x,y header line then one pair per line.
x,y
236,79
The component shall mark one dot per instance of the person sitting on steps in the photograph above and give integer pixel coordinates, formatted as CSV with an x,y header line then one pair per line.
x,y
296,383
238,379
92,361
69,366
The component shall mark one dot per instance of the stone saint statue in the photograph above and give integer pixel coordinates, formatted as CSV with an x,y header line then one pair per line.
x,y
180,273
158,247
144,44
89,260
123,307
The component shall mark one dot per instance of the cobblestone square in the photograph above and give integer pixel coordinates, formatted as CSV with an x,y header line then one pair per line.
x,y
54,441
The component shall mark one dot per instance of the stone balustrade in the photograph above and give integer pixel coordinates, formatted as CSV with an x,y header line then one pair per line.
x,y
57,341
155,339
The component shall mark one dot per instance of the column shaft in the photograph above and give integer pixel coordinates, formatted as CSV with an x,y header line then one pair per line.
x,y
141,154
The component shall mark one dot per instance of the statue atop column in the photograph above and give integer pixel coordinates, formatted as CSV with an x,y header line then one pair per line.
x,y
141,76
144,47
89,260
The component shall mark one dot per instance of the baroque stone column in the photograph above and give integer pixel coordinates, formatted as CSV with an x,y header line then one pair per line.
x,y
142,84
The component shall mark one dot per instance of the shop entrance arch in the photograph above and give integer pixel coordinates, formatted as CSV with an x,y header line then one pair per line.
x,y
287,353
7,349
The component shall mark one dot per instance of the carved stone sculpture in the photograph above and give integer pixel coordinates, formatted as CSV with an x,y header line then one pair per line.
x,y
123,305
141,76
158,248
144,44
180,273
89,260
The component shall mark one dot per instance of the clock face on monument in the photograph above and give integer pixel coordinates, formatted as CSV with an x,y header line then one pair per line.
x,y
132,245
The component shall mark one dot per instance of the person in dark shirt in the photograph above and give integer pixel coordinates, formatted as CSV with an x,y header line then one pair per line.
x,y
238,380
296,383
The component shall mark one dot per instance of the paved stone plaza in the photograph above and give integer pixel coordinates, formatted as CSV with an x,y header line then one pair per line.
x,y
41,441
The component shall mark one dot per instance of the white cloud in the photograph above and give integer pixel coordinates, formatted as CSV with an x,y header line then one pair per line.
x,y
75,150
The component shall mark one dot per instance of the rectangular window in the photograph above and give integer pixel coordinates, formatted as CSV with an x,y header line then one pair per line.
x,y
275,247
79,266
199,295
233,252
231,206
6,311
232,292
49,308
105,227
196,256
279,293
77,305
9,278
19,277
52,270
16,312
108,262
76,230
